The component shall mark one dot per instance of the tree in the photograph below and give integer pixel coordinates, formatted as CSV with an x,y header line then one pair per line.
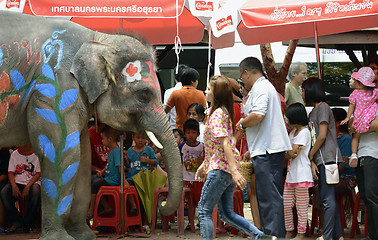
x,y
275,75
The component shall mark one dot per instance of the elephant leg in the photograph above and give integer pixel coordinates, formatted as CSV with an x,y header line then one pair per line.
x,y
76,224
58,147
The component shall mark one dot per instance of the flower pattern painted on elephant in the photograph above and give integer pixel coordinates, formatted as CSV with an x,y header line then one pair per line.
x,y
6,100
132,71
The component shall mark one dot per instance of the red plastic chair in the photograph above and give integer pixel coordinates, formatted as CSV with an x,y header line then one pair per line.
x,y
180,211
355,226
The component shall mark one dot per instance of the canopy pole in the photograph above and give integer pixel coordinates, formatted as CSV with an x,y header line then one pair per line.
x,y
208,60
317,51
122,194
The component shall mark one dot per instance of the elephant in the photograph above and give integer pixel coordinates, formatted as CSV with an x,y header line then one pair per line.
x,y
54,76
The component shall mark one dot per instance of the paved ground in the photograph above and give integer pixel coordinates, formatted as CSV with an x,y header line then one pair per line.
x,y
172,233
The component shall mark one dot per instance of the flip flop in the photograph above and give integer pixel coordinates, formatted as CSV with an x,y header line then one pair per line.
x,y
3,230
12,229
220,231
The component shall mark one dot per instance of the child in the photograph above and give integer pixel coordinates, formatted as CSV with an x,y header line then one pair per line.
x,y
111,174
179,136
192,153
299,176
197,112
24,174
140,157
363,106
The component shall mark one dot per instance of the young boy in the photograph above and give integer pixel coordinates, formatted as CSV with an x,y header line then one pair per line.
x,y
24,174
140,157
192,153
111,174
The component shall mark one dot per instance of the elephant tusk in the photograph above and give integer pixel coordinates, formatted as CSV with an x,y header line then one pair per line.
x,y
154,140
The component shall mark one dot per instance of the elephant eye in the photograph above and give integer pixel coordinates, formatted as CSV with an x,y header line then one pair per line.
x,y
144,95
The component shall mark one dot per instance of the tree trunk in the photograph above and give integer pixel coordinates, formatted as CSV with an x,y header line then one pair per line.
x,y
277,77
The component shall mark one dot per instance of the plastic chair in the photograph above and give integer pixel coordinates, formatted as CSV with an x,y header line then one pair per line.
x,y
340,204
238,208
355,226
114,220
180,211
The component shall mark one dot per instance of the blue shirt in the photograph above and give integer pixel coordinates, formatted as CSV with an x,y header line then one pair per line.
x,y
134,159
112,175
344,141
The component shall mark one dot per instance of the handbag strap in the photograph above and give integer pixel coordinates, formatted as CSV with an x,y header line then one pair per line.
x,y
321,156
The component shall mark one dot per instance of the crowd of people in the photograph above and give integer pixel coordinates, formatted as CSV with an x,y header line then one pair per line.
x,y
234,121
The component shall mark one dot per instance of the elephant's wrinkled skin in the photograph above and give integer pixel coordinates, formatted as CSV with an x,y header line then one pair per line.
x,y
54,74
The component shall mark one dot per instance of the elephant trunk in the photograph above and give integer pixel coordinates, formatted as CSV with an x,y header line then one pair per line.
x,y
172,160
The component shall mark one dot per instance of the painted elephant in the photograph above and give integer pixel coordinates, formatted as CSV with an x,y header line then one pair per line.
x,y
54,75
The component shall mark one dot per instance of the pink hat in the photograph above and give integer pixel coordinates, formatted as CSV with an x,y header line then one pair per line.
x,y
365,75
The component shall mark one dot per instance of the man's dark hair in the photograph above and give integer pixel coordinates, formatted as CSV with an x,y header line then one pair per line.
x,y
181,69
251,64
314,92
373,60
191,124
189,75
340,114
296,114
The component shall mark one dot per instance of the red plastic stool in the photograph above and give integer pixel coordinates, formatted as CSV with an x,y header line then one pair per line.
x,y
180,211
238,208
114,220
135,220
109,221
355,226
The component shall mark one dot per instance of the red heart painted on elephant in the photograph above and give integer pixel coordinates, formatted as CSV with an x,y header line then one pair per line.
x,y
131,70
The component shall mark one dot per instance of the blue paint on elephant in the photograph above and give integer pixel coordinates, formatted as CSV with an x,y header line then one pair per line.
x,y
48,148
70,172
17,79
47,89
47,71
48,48
48,115
1,57
28,91
72,141
49,187
63,205
68,98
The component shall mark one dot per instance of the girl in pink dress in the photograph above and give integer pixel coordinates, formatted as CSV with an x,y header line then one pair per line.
x,y
363,106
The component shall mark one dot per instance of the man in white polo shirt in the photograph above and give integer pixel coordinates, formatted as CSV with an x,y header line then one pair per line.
x,y
268,142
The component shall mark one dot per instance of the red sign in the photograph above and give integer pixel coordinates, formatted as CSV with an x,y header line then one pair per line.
x,y
107,8
203,6
224,22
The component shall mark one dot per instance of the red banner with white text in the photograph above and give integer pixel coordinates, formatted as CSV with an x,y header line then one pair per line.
x,y
266,13
107,8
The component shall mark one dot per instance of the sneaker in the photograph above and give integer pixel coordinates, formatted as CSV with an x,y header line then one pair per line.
x,y
268,237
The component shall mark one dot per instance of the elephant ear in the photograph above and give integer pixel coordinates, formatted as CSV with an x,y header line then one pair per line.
x,y
91,68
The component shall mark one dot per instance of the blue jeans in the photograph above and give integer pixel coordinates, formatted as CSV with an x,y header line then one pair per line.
x,y
219,189
332,224
34,199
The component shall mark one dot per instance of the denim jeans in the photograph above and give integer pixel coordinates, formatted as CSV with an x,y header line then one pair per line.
x,y
219,189
332,223
14,215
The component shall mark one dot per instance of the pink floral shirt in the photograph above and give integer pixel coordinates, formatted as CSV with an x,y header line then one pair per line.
x,y
366,107
218,125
